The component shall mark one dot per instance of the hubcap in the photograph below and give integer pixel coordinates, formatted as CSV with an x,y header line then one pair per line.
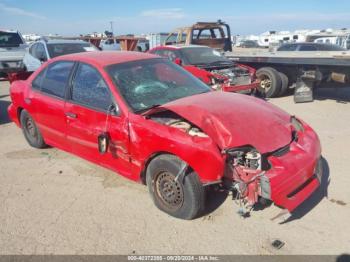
x,y
265,83
30,127
169,191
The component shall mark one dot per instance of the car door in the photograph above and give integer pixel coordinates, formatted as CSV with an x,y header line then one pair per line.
x,y
30,60
87,117
47,100
307,48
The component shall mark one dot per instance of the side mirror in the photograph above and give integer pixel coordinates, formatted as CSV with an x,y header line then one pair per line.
x,y
103,138
103,142
113,110
178,61
42,57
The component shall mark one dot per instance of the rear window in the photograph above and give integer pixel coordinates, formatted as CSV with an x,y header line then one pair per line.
x,y
331,48
56,78
9,39
287,48
307,48
65,49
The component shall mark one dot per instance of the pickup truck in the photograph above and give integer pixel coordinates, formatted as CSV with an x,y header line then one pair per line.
x,y
12,50
216,35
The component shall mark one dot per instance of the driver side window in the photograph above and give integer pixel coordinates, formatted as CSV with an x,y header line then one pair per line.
x,y
89,88
40,53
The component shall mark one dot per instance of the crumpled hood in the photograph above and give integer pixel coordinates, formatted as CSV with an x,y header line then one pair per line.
x,y
233,120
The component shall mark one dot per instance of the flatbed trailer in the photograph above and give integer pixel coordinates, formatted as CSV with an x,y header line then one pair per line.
x,y
302,71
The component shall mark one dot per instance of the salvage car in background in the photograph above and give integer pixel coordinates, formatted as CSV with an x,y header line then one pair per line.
x,y
12,50
211,67
307,47
110,44
46,49
248,44
150,120
213,34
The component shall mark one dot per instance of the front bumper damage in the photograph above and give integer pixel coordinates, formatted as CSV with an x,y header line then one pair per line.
x,y
243,79
291,174
238,88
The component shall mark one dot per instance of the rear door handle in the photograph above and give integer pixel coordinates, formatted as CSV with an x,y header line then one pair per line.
x,y
71,115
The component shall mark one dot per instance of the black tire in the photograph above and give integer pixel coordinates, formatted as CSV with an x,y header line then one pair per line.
x,y
270,81
31,131
184,199
284,84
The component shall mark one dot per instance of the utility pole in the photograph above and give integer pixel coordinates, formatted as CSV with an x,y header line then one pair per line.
x,y
112,27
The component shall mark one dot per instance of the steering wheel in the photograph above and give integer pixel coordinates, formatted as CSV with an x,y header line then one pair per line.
x,y
150,88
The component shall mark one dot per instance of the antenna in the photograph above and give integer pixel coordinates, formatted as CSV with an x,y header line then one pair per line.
x,y
111,22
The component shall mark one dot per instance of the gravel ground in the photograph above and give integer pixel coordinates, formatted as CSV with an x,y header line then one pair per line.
x,y
55,203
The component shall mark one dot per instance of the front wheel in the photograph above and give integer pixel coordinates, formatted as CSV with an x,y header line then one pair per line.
x,y
184,198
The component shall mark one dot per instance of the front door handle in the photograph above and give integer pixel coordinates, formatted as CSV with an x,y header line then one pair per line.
x,y
71,115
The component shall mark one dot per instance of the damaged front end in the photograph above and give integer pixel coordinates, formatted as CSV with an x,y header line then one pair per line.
x,y
238,78
264,155
245,177
286,176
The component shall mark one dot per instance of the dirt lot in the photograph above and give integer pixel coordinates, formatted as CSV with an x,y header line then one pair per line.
x,y
53,202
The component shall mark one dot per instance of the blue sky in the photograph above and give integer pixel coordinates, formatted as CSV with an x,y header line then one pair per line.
x,y
245,17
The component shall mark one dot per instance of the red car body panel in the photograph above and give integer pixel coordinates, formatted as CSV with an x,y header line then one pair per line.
x,y
229,120
227,112
295,171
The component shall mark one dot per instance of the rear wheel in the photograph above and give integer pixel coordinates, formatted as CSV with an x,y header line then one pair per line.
x,y
270,81
182,198
284,84
31,131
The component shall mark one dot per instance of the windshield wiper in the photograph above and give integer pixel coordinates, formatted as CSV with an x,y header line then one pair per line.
x,y
143,110
221,63
215,63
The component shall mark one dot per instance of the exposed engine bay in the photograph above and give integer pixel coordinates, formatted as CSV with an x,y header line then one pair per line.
x,y
173,120
235,75
245,177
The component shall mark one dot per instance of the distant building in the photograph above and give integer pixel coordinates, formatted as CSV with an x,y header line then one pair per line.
x,y
339,37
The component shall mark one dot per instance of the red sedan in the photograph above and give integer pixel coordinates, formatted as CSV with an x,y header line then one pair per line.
x,y
151,121
206,63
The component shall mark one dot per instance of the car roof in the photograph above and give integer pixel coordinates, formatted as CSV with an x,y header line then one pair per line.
x,y
64,41
324,45
9,31
105,58
309,43
181,46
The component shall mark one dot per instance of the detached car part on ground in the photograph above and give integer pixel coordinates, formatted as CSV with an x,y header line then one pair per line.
x,y
151,121
207,64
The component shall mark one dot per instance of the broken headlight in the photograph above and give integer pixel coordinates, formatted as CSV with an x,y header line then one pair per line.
x,y
298,126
